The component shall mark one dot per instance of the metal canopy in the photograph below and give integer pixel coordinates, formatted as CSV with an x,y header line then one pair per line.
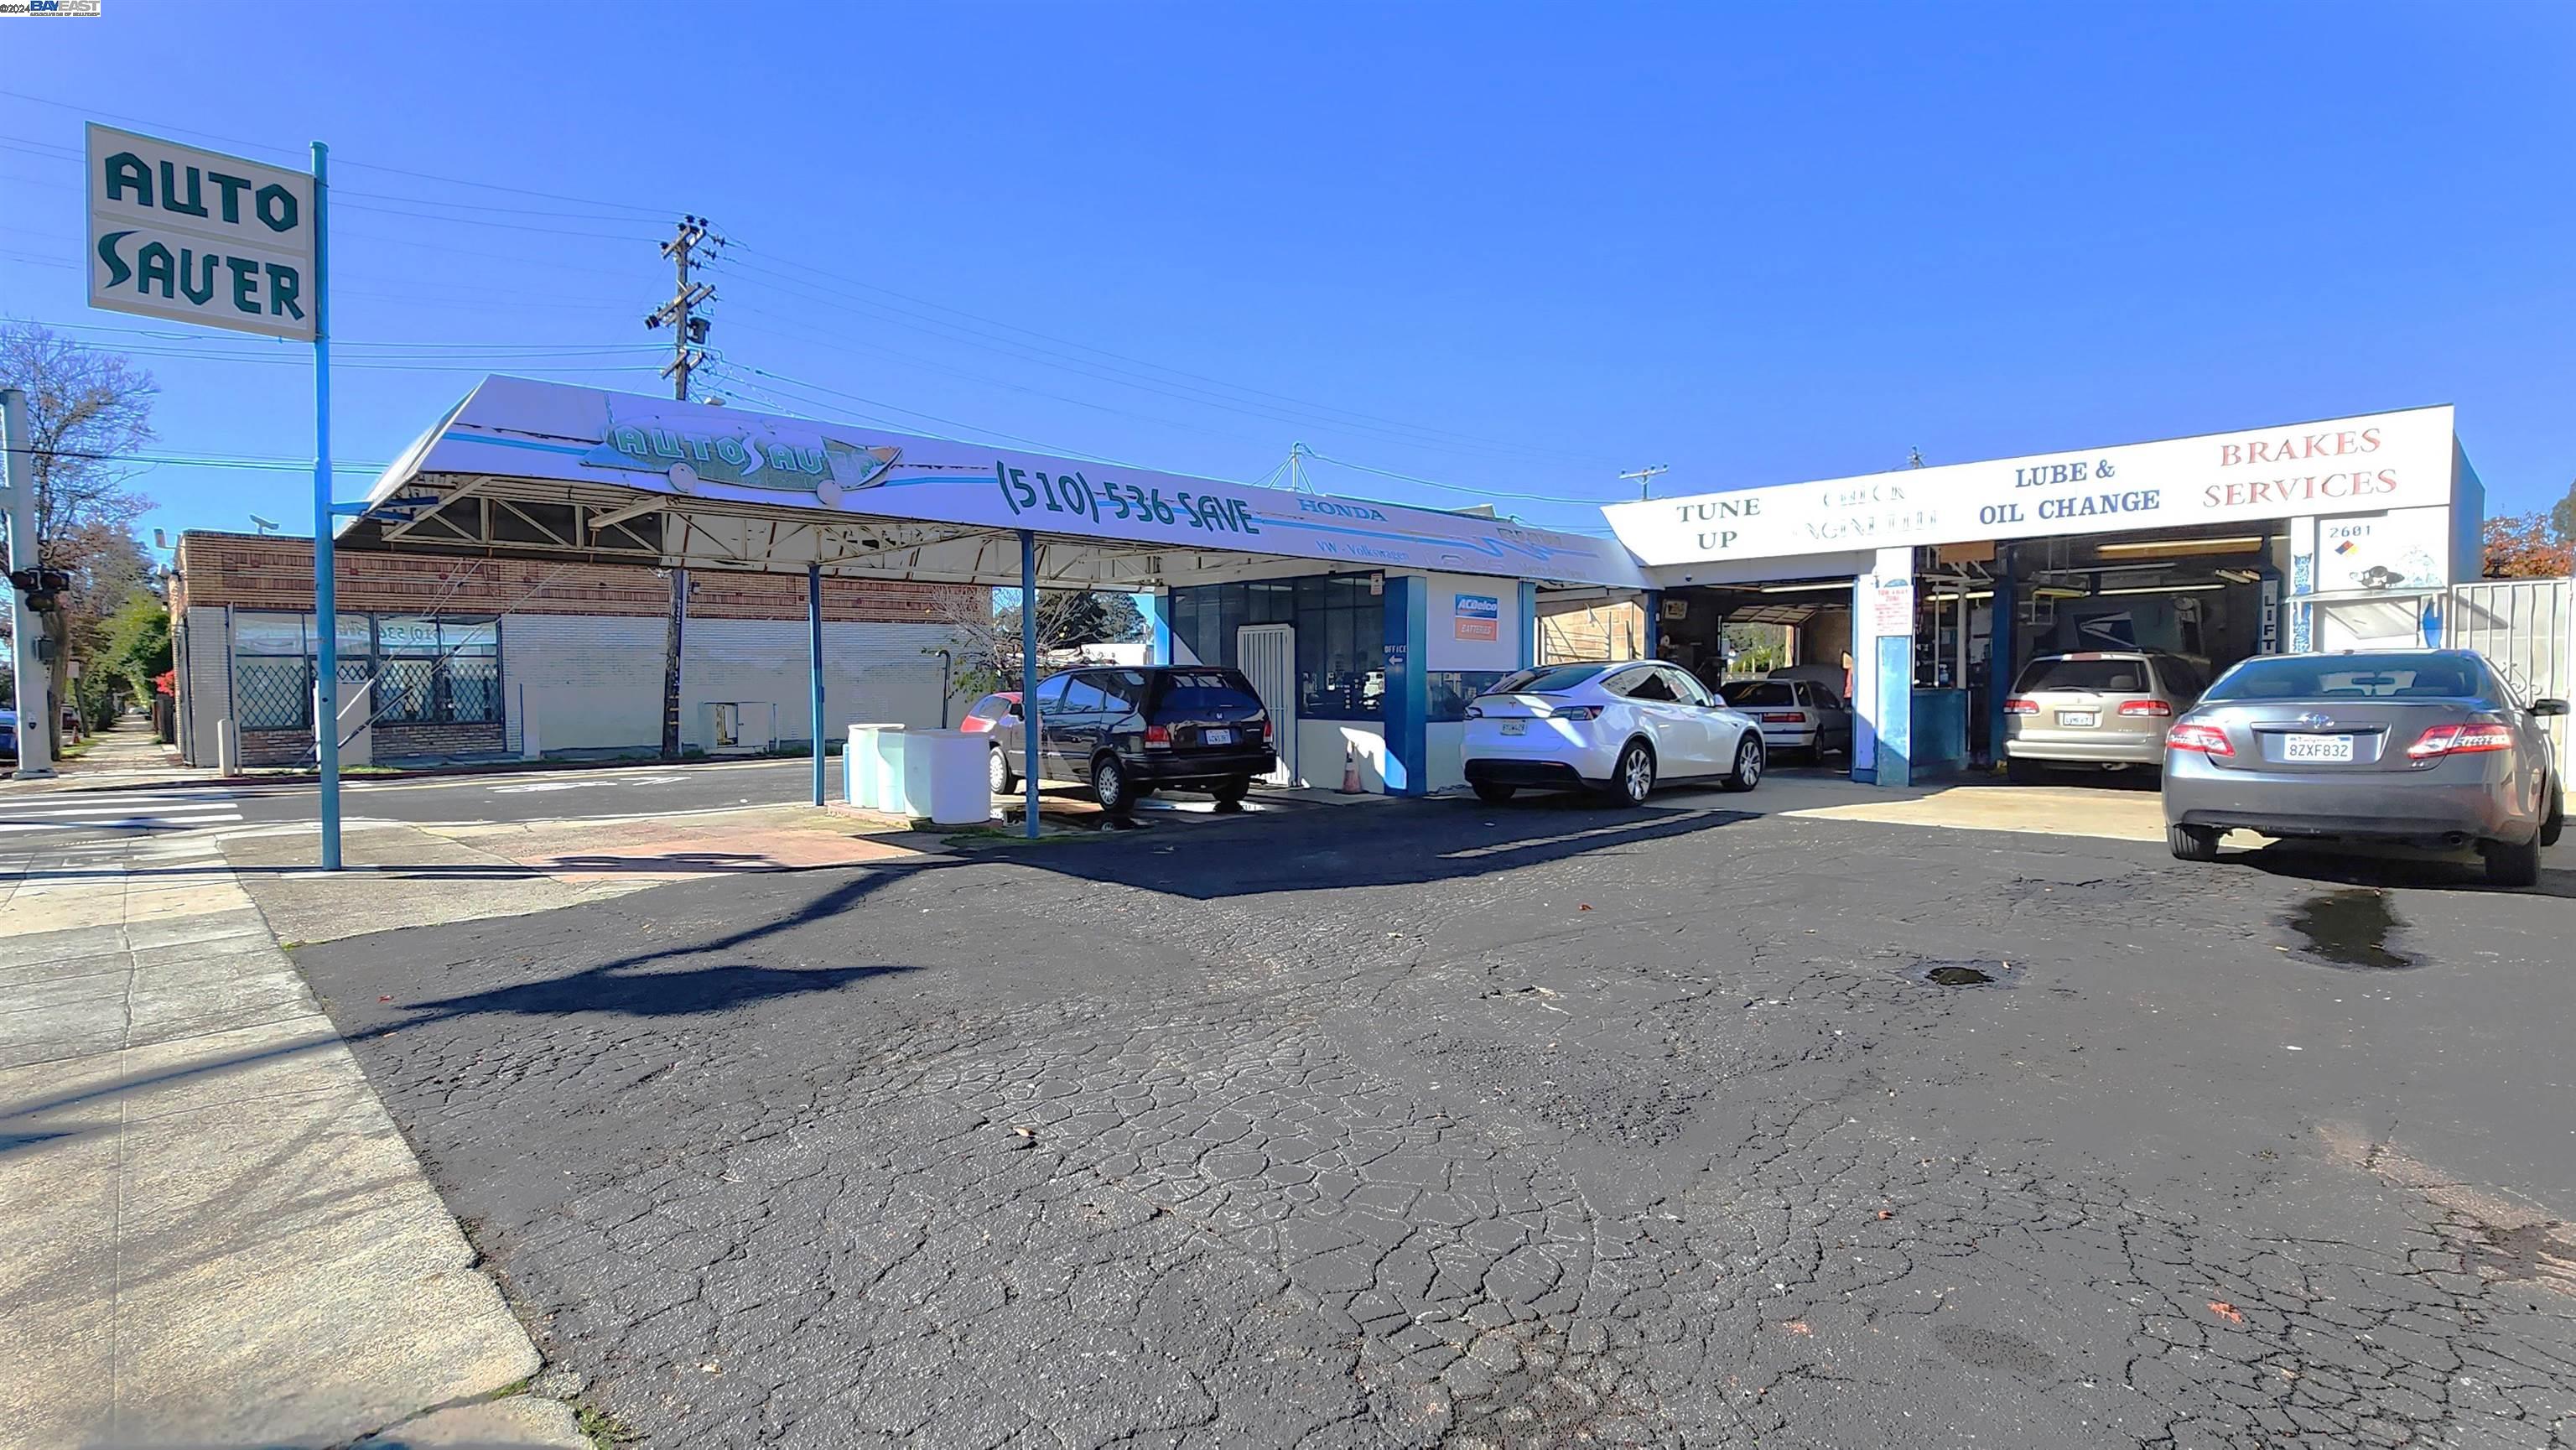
x,y
548,471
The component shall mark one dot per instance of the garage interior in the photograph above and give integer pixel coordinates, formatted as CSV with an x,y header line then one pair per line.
x,y
2198,593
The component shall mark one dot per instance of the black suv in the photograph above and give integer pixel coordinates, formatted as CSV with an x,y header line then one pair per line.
x,y
1128,731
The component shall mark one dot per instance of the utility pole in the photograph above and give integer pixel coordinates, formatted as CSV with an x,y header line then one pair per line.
x,y
688,330
1645,478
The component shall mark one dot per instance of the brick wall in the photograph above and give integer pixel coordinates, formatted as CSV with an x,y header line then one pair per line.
x,y
255,571
435,742
273,747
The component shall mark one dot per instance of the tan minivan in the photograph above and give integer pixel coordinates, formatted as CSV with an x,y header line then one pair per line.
x,y
2096,711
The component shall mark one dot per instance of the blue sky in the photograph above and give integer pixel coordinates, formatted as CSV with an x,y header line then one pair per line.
x,y
1514,248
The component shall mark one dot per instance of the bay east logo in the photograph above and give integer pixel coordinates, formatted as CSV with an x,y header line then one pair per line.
x,y
756,456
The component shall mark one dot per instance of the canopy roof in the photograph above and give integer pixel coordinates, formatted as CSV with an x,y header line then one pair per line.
x,y
545,470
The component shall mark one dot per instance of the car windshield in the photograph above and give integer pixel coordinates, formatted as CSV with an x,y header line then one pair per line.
x,y
1760,692
2076,672
1550,680
2348,677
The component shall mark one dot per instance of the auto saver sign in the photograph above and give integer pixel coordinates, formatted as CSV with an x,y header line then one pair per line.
x,y
197,236
2346,465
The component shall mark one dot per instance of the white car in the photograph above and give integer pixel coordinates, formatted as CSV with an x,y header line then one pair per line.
x,y
1608,727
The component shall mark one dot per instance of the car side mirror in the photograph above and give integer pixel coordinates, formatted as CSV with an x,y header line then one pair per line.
x,y
2549,707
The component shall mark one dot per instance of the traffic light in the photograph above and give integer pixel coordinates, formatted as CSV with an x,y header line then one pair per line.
x,y
41,586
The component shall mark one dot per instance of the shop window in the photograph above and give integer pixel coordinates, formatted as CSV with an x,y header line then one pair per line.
x,y
1341,636
437,671
273,657
1451,690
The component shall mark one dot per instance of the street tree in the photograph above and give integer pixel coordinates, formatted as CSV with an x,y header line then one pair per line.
x,y
88,413
984,631
2527,546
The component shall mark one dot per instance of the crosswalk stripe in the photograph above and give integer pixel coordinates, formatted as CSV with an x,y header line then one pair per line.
x,y
137,808
143,822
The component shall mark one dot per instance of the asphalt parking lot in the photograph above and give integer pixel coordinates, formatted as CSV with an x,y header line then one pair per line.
x,y
1527,1126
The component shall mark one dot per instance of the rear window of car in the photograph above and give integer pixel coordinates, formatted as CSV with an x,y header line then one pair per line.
x,y
1545,681
1200,689
2349,677
2069,672
1760,692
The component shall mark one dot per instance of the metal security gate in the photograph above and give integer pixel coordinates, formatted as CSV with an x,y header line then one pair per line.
x,y
2527,629
1267,654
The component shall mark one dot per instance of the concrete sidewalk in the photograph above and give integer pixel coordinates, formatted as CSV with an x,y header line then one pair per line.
x,y
217,1235
125,754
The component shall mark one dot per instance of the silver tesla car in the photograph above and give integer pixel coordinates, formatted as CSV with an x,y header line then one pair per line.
x,y
2426,747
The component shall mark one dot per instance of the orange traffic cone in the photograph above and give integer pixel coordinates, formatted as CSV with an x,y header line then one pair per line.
x,y
1350,769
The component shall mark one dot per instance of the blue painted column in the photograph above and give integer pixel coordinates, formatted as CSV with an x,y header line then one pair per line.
x,y
1650,644
1408,692
2002,661
1030,725
814,667
326,602
1157,609
1529,624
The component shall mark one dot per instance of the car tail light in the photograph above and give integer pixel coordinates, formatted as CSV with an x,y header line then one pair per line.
x,y
1265,729
1779,717
2021,705
2145,707
1574,712
2444,740
1158,737
2207,739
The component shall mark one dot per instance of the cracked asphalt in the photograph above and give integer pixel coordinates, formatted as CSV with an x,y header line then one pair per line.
x,y
1444,1124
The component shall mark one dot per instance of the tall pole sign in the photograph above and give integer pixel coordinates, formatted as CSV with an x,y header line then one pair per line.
x,y
184,235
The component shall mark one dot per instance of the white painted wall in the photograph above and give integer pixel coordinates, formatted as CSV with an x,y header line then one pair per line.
x,y
1445,743
594,681
1319,753
871,672
1441,644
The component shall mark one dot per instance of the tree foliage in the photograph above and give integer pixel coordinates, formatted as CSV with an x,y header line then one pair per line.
x,y
2528,546
984,631
88,412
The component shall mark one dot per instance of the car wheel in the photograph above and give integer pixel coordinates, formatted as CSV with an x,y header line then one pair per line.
x,y
1749,760
2024,772
1232,789
997,770
1634,780
1494,792
2554,824
1109,786
2192,843
2511,865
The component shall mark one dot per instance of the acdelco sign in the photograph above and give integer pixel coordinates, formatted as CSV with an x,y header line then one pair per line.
x,y
2383,460
197,236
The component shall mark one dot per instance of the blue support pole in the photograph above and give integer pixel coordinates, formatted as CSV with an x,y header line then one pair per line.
x,y
1407,704
1651,647
814,667
326,600
2003,609
1029,726
1157,609
1528,617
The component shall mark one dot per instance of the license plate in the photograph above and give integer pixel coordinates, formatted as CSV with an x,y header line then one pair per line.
x,y
1516,727
2079,717
2316,747
1216,737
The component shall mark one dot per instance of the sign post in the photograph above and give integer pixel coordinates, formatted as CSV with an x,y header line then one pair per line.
x,y
180,234
326,576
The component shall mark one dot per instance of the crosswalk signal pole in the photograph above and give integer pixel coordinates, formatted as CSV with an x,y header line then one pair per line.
x,y
35,681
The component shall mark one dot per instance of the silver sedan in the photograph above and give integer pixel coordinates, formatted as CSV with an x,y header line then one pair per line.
x,y
2424,747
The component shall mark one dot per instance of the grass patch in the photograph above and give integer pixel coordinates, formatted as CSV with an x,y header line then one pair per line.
x,y
601,1428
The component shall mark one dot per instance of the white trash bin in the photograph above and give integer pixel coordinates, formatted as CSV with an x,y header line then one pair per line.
x,y
944,777
872,767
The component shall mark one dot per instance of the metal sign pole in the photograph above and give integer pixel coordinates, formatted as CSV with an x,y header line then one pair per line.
x,y
1029,726
35,681
814,667
326,602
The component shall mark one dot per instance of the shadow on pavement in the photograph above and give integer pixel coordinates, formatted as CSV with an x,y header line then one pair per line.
x,y
1326,848
2362,866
